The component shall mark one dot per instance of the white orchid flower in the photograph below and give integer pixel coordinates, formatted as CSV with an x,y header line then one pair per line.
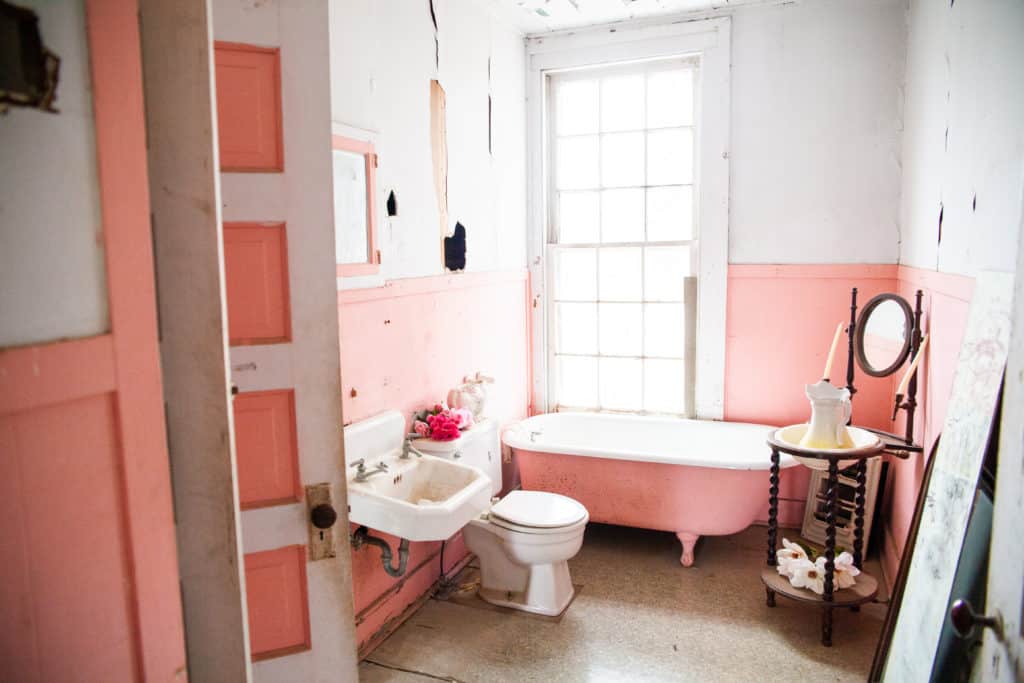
x,y
807,574
844,571
787,556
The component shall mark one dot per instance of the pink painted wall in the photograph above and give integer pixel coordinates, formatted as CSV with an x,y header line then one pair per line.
x,y
780,321
779,324
945,304
403,346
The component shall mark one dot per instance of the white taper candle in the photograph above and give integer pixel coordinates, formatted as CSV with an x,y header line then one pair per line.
x,y
905,382
832,352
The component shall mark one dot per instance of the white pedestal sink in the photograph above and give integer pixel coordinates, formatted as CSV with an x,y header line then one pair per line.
x,y
419,498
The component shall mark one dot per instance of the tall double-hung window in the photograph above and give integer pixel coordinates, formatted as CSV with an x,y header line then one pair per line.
x,y
622,234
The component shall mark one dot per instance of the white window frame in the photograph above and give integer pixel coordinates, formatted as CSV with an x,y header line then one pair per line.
x,y
709,40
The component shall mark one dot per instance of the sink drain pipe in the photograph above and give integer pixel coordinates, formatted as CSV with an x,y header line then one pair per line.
x,y
362,536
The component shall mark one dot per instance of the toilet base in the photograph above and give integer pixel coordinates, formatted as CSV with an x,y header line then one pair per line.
x,y
548,592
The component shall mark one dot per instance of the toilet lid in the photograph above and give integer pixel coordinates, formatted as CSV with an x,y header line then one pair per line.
x,y
538,509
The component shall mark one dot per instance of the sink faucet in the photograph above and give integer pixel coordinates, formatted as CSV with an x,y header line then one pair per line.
x,y
407,447
362,474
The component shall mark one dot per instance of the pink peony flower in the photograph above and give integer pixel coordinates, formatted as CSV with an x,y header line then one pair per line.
x,y
463,417
421,428
443,427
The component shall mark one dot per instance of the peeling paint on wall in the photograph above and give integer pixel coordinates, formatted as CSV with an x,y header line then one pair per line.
x,y
439,151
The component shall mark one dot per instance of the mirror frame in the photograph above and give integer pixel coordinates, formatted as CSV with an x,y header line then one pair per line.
x,y
364,148
858,335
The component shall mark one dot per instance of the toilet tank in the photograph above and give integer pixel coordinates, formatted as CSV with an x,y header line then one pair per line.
x,y
478,446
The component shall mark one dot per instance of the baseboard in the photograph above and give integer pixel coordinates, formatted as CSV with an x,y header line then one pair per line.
x,y
890,559
393,624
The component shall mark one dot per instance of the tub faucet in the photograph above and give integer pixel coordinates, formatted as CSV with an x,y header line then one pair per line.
x,y
362,474
534,435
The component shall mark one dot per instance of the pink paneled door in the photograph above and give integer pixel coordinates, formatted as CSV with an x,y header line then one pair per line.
x,y
275,588
249,107
260,314
256,270
268,466
89,583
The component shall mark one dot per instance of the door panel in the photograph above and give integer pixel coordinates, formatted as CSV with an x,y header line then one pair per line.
x,y
276,593
60,495
268,464
256,270
249,107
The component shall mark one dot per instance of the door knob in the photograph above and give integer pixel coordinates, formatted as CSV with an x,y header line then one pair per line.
x,y
323,516
965,620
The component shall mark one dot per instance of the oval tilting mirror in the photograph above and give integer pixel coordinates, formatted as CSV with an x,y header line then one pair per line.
x,y
881,342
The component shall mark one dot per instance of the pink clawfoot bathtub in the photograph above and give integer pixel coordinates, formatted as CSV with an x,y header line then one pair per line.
x,y
691,477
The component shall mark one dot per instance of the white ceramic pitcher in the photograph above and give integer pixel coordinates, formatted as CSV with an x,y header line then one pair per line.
x,y
830,411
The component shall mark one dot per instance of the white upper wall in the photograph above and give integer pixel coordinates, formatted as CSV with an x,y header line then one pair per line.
x,y
965,74
815,153
382,62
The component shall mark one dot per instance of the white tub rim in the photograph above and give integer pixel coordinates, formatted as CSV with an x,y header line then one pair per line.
x,y
517,437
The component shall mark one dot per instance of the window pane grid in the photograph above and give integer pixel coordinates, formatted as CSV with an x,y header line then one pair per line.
x,y
642,200
603,133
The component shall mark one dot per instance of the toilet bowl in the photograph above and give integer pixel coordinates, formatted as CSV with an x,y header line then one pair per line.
x,y
525,540
524,544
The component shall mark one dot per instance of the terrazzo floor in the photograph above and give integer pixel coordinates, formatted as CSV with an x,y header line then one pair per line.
x,y
639,616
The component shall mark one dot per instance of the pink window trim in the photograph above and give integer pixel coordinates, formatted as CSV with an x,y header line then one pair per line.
x,y
372,266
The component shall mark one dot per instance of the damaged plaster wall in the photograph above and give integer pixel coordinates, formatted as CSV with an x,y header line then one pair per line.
x,y
963,81
382,62
816,108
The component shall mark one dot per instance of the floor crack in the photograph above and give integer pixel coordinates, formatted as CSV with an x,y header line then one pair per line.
x,y
450,679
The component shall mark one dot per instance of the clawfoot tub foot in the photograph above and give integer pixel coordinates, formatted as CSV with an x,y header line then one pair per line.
x,y
689,541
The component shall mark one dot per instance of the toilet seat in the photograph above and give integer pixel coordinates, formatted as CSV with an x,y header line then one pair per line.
x,y
537,512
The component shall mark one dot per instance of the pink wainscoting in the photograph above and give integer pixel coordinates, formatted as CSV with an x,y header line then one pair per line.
x,y
945,304
780,320
403,346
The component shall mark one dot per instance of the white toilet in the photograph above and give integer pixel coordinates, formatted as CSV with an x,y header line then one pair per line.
x,y
525,540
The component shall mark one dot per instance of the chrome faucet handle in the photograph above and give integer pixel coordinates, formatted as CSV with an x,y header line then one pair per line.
x,y
359,464
382,466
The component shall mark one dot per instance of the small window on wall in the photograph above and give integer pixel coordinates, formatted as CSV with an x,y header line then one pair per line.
x,y
623,237
355,213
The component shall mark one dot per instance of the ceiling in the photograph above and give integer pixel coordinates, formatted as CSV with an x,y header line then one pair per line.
x,y
542,16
